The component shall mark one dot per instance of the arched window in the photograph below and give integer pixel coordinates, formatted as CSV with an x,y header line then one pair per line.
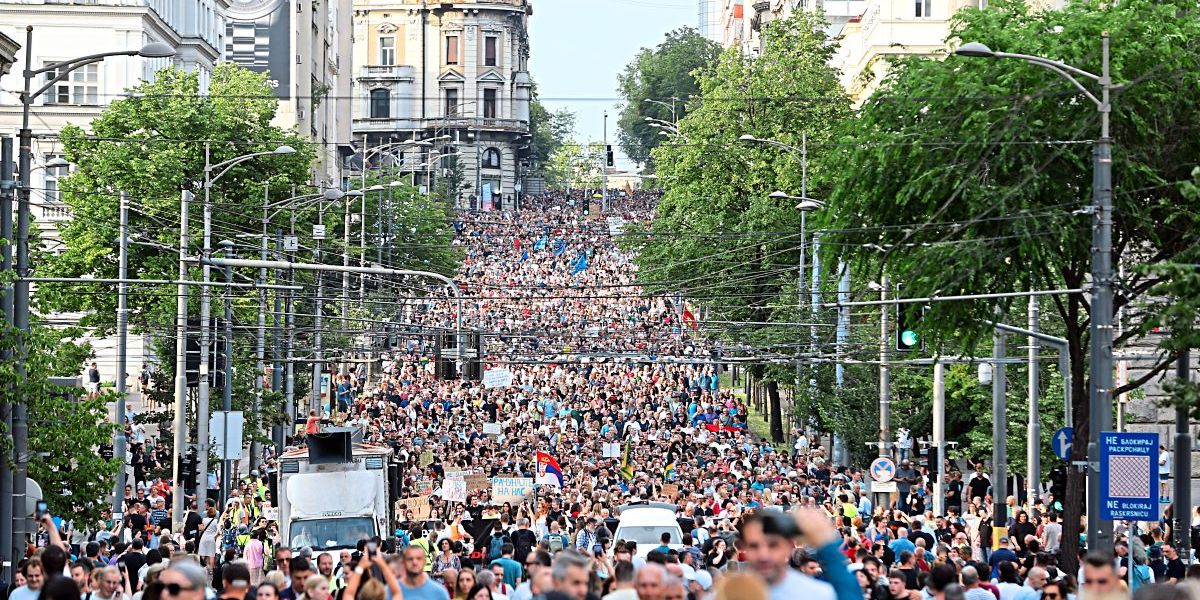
x,y
381,102
491,158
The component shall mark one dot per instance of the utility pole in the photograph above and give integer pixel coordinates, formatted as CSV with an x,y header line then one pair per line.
x,y
227,390
999,437
604,170
181,315
318,366
843,336
885,382
119,441
1033,454
939,435
7,187
346,274
204,390
1100,401
277,434
260,367
1183,464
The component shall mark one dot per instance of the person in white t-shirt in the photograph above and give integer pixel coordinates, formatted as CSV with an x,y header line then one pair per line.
x,y
1164,471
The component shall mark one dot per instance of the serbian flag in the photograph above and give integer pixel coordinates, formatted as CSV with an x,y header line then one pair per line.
x,y
689,319
549,473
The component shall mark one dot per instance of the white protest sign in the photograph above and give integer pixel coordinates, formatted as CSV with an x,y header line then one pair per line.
x,y
493,378
454,490
611,450
217,428
510,489
492,429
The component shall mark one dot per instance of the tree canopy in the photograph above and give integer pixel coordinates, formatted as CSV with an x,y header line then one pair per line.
x,y
717,237
655,81
975,176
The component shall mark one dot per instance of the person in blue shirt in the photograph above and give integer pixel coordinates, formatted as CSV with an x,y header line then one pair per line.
x,y
902,543
665,547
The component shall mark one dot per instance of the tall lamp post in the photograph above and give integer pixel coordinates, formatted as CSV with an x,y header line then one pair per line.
x,y
805,206
60,71
1099,532
212,174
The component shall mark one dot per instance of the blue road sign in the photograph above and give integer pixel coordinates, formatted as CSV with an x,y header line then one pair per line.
x,y
883,469
1128,476
1061,442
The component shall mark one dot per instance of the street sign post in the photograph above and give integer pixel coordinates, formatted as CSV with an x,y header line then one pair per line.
x,y
1061,442
883,469
1128,476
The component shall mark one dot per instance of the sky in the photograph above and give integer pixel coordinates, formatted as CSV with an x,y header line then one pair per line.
x,y
578,47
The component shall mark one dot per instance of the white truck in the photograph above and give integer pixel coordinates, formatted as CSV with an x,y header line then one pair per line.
x,y
332,501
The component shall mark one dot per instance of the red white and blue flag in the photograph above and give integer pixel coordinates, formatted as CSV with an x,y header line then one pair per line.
x,y
549,473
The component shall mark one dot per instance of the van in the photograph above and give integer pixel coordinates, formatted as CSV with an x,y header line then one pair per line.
x,y
645,522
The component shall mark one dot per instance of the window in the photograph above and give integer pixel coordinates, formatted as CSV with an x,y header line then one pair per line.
x,y
489,104
387,50
491,158
81,86
490,44
53,174
924,8
381,101
451,102
452,49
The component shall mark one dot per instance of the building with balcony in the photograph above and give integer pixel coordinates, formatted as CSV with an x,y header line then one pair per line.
x,y
305,46
64,29
455,74
889,29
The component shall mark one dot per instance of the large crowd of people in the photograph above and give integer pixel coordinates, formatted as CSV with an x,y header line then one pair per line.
x,y
621,390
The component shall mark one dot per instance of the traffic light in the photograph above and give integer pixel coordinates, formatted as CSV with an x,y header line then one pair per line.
x,y
908,328
608,155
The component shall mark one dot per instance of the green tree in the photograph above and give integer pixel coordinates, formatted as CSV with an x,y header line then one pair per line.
x,y
716,238
65,428
667,73
970,174
549,130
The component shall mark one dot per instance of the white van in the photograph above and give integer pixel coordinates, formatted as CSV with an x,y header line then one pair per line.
x,y
644,523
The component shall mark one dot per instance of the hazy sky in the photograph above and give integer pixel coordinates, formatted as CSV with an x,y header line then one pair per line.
x,y
579,47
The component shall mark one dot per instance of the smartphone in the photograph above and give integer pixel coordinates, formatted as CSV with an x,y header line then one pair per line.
x,y
40,510
372,548
597,549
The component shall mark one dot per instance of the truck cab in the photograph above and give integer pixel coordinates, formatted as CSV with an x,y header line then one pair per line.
x,y
334,493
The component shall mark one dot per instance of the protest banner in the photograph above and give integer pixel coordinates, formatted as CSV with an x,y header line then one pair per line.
x,y
493,378
492,429
425,459
670,490
510,489
454,490
476,481
424,487
418,504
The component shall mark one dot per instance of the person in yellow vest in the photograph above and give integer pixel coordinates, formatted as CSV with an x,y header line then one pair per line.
x,y
427,544
849,509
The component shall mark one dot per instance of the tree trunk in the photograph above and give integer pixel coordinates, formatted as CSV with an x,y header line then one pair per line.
x,y
1074,504
776,412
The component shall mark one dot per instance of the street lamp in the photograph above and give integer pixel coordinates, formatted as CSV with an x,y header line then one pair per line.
x,y
1099,532
220,169
20,428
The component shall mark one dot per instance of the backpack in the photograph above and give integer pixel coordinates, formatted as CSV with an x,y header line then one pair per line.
x,y
555,543
496,547
1141,576
229,539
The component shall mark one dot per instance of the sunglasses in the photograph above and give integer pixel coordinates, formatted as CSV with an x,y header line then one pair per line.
x,y
174,588
1049,595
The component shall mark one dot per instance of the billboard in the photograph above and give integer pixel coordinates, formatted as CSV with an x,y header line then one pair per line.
x,y
258,36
